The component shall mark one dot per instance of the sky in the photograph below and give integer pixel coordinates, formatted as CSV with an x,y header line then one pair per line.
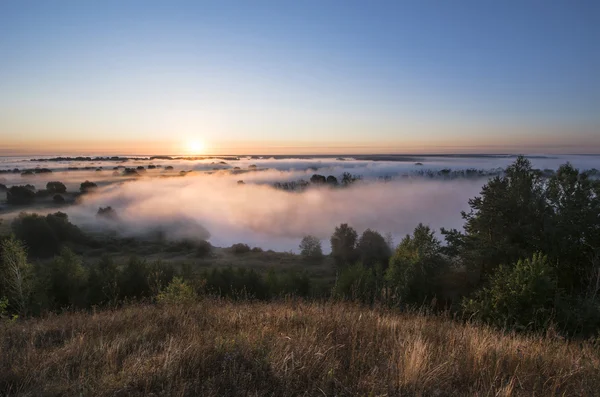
x,y
304,77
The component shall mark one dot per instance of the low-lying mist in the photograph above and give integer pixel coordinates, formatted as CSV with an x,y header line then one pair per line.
x,y
208,203
217,208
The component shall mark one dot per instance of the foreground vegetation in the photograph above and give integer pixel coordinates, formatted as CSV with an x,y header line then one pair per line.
x,y
224,348
512,303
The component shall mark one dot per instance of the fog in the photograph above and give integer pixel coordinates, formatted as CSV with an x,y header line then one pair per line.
x,y
209,204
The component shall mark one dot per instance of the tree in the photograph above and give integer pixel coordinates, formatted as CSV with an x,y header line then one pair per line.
x,y
572,229
56,187
58,199
372,249
416,267
20,195
133,282
87,187
66,280
103,282
318,179
178,291
16,281
332,180
310,248
505,223
343,245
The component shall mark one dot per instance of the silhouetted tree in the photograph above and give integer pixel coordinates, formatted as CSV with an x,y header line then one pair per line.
x,y
343,244
20,195
310,248
318,179
372,249
87,187
56,187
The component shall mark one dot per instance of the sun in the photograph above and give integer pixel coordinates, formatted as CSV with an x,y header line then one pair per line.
x,y
195,147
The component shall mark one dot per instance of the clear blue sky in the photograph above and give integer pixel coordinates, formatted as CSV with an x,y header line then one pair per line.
x,y
286,76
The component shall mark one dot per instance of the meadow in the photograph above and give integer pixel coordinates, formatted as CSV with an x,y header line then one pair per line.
x,y
288,348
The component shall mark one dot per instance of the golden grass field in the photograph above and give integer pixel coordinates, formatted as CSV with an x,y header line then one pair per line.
x,y
223,348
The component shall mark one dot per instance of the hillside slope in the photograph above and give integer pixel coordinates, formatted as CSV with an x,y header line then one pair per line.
x,y
221,348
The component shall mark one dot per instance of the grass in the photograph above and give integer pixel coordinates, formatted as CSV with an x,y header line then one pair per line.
x,y
223,348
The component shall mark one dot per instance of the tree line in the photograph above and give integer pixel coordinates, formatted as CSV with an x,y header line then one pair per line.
x,y
527,258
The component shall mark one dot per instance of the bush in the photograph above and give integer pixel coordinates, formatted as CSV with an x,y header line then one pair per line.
x,y
240,248
56,187
310,248
523,296
359,283
176,292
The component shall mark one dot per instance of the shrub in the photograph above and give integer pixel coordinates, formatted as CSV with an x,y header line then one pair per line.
x,y
56,187
257,250
176,292
240,248
523,296
359,283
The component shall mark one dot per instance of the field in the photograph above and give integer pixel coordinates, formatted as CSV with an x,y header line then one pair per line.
x,y
224,348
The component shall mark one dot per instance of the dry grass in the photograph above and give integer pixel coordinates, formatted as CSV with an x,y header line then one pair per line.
x,y
219,348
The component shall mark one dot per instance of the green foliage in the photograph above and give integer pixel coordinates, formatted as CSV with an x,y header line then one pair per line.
x,y
176,292
523,296
16,274
310,248
66,281
416,267
572,232
343,245
103,282
372,249
134,280
44,236
359,283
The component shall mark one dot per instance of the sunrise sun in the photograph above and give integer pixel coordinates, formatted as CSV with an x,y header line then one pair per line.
x,y
195,147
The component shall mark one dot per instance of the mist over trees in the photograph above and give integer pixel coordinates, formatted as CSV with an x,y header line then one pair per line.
x,y
526,259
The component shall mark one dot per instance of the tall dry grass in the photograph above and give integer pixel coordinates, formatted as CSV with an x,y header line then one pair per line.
x,y
220,348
